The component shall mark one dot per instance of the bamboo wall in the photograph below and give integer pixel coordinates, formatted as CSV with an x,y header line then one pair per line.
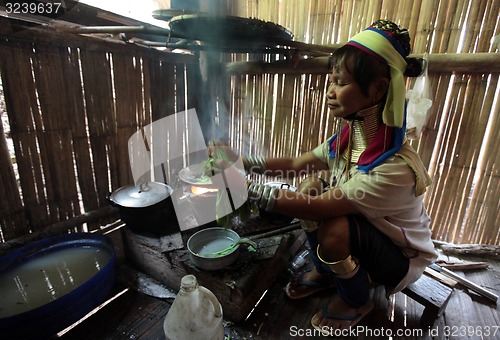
x,y
285,114
71,109
73,103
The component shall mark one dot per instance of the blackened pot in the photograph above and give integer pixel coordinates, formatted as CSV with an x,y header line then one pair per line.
x,y
147,208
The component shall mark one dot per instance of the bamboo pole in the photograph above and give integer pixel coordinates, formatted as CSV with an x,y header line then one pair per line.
x,y
363,14
387,9
404,13
438,201
439,87
486,200
473,145
54,139
477,11
337,10
20,98
355,26
445,62
316,21
469,139
12,218
96,71
475,133
412,23
440,26
489,29
464,162
471,25
456,30
128,105
435,204
435,137
453,171
80,139
424,26
483,205
328,25
345,18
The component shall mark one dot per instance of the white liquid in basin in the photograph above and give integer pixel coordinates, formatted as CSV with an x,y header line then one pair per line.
x,y
48,277
216,245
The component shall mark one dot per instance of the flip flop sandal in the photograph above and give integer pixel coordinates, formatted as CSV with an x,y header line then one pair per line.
x,y
362,312
299,280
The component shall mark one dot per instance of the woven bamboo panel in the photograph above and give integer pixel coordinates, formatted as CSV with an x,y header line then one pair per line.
x,y
71,112
20,95
13,219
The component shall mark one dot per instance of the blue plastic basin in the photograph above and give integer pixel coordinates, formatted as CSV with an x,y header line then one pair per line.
x,y
48,285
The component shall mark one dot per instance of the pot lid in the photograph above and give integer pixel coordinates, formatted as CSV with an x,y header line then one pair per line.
x,y
144,195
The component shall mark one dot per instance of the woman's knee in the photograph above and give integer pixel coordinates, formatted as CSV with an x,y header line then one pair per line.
x,y
333,236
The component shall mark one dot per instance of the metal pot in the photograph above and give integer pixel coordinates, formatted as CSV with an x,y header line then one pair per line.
x,y
146,208
275,218
204,244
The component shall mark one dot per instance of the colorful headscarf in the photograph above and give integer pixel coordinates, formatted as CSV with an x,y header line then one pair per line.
x,y
382,45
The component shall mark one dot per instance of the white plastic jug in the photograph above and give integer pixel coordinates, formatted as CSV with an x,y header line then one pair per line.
x,y
195,314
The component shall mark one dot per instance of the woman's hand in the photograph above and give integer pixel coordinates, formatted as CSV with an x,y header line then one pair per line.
x,y
221,157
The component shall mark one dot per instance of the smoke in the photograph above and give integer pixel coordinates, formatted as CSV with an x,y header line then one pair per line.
x,y
213,97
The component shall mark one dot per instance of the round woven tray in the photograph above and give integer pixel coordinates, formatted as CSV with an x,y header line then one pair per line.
x,y
224,30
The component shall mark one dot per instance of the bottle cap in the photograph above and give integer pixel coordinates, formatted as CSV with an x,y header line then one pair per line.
x,y
189,283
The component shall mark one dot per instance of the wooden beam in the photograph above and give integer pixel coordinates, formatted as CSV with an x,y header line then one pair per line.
x,y
13,31
438,63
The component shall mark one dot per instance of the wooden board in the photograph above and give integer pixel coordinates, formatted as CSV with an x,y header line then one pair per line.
x,y
433,295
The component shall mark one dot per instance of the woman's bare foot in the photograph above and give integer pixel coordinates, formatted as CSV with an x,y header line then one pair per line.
x,y
306,284
337,314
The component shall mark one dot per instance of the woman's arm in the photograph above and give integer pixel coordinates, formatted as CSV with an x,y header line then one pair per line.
x,y
332,203
286,167
293,167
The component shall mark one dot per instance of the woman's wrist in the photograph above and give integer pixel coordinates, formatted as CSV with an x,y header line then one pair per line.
x,y
263,195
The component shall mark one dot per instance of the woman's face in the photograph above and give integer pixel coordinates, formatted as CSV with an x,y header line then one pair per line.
x,y
344,95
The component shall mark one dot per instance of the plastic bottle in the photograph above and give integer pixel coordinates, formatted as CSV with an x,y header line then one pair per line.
x,y
299,260
195,313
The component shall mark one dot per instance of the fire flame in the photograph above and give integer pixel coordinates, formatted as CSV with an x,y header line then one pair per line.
x,y
202,190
